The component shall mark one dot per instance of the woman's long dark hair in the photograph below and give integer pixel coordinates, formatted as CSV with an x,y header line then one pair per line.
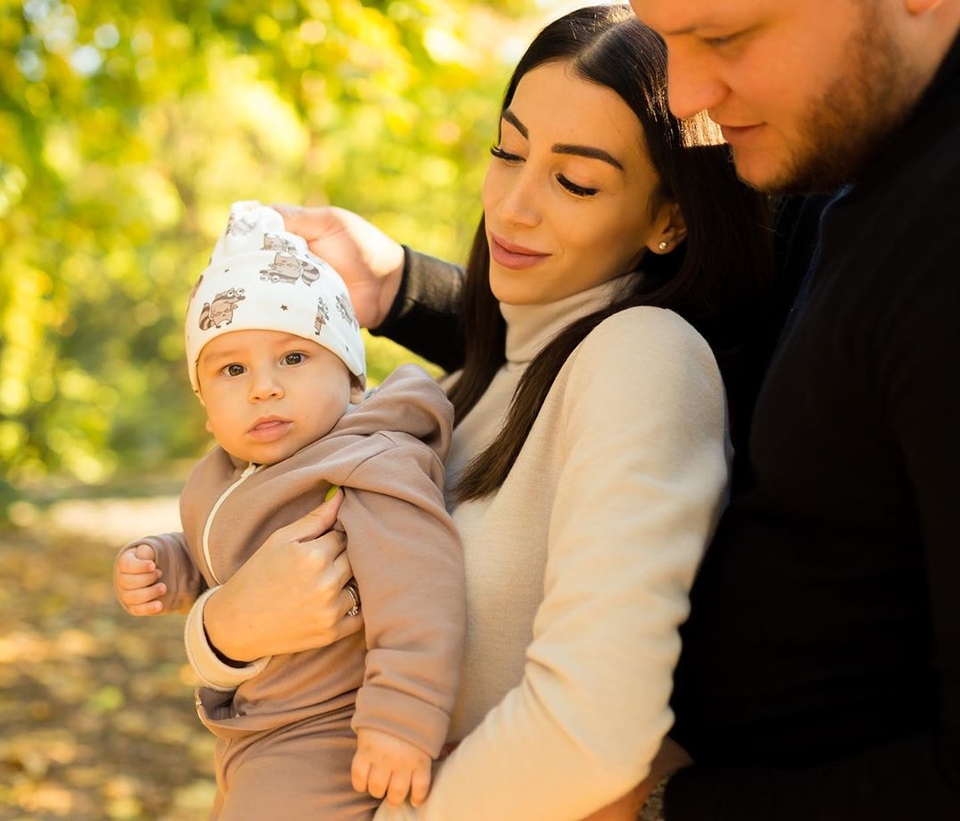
x,y
715,280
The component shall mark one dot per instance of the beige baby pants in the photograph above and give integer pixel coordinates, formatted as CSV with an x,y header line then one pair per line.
x,y
294,773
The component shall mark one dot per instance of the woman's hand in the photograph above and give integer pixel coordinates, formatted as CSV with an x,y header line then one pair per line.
x,y
289,595
370,262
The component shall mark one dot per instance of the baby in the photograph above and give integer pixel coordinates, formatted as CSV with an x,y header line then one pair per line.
x,y
276,358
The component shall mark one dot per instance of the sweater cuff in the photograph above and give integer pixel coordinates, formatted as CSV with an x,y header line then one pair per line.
x,y
401,304
404,716
210,669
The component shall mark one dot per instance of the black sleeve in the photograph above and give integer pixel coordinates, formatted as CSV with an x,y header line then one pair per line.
x,y
909,779
425,316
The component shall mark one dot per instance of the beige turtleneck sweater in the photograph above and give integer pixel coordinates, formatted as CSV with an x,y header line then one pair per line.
x,y
578,568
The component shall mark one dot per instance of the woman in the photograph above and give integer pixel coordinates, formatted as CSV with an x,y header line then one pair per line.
x,y
590,457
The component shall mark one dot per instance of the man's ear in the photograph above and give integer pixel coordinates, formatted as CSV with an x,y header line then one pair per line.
x,y
669,229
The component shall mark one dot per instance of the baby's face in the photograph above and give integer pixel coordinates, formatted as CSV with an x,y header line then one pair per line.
x,y
269,393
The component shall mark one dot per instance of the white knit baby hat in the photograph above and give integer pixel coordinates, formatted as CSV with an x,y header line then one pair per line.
x,y
261,277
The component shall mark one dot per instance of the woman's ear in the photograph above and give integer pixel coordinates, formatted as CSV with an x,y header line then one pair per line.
x,y
669,229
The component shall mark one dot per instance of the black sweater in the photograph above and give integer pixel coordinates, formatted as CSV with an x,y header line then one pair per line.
x,y
820,677
820,672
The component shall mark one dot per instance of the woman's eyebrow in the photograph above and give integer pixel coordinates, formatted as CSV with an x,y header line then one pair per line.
x,y
511,118
587,151
565,148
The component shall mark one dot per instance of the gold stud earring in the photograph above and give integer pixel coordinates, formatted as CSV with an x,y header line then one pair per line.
x,y
663,245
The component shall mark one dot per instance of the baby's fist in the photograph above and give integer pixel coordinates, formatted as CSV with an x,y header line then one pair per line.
x,y
387,766
136,581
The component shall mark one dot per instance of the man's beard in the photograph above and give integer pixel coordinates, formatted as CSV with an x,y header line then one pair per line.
x,y
852,122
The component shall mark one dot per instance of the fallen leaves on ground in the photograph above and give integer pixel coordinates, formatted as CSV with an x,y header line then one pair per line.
x,y
96,707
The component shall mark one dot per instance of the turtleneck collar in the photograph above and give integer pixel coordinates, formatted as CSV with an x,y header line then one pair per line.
x,y
530,327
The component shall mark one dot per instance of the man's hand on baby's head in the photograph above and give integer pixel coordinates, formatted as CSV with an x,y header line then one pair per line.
x,y
388,767
136,581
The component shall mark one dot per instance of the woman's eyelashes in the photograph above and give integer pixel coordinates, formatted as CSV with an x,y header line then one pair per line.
x,y
500,154
578,190
573,188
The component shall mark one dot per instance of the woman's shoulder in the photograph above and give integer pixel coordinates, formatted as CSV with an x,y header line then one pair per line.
x,y
645,331
640,356
643,370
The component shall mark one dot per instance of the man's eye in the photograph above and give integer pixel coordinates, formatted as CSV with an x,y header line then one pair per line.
x,y
721,41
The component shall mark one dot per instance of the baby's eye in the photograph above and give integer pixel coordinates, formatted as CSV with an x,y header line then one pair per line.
x,y
573,188
234,370
294,358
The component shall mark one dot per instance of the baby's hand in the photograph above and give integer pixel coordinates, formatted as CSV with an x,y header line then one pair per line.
x,y
136,581
384,765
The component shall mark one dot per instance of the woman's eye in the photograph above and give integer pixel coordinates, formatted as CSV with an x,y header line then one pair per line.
x,y
234,370
573,188
293,358
506,156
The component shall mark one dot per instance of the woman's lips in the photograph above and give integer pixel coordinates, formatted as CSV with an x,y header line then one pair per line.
x,y
513,256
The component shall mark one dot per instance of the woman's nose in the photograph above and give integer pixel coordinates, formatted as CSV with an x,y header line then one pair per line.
x,y
512,193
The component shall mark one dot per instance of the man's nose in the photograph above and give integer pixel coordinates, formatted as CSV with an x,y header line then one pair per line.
x,y
693,81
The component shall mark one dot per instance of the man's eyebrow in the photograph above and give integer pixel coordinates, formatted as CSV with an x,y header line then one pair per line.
x,y
587,151
677,32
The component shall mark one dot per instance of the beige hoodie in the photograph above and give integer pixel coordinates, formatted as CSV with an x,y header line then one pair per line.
x,y
387,454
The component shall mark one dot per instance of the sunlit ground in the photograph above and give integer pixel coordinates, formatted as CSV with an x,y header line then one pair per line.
x,y
96,707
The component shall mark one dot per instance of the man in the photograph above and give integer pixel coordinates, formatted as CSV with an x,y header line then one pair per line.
x,y
820,675
821,669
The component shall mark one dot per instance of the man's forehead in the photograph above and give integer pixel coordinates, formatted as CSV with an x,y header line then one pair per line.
x,y
671,18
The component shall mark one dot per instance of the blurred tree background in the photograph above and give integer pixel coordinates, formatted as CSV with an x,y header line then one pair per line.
x,y
126,129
